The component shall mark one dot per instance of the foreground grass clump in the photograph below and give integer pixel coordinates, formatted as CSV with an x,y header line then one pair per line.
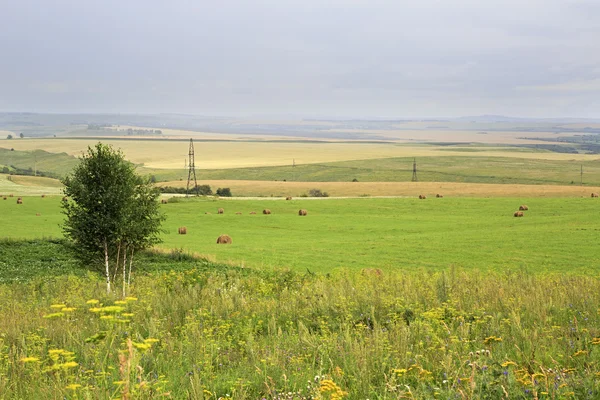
x,y
243,334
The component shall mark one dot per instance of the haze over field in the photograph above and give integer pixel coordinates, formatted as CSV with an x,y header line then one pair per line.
x,y
353,58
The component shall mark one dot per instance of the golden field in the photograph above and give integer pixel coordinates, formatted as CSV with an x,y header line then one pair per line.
x,y
172,154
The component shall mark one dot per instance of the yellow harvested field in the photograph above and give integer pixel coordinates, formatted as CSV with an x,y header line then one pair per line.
x,y
355,189
36,181
172,154
29,185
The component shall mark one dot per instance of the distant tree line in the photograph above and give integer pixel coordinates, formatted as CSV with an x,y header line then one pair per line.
x,y
28,172
203,190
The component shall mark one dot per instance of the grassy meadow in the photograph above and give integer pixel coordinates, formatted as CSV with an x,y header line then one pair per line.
x,y
556,234
220,332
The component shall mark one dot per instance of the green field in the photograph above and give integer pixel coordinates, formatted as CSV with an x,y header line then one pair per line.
x,y
405,233
530,168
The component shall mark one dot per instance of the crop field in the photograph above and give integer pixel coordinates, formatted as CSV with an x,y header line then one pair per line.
x,y
225,154
556,234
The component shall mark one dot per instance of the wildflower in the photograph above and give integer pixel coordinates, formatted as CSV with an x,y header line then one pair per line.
x,y
68,364
151,340
92,302
580,353
142,346
508,363
132,299
54,315
107,317
127,314
120,302
25,360
68,309
596,340
73,386
58,306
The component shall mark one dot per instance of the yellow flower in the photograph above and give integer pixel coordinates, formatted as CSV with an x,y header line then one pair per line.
x,y
54,315
508,363
127,314
68,309
68,364
73,386
151,340
108,317
120,302
142,346
92,301
58,306
131,298
29,359
580,353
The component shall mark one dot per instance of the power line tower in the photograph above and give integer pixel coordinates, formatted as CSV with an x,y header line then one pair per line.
x,y
414,177
191,171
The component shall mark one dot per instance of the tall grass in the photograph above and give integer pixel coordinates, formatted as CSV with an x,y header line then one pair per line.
x,y
242,334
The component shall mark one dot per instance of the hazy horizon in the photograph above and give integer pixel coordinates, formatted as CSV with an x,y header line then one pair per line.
x,y
336,59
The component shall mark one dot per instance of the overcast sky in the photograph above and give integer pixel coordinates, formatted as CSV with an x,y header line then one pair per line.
x,y
355,58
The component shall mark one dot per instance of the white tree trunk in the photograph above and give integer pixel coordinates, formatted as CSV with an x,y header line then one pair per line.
x,y
107,267
130,264
124,269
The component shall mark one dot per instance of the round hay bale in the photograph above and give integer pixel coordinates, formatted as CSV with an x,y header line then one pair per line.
x,y
19,201
43,196
37,214
10,195
4,198
594,194
207,213
65,198
439,196
182,230
238,213
164,201
220,211
518,214
422,197
523,207
252,212
224,239
302,212
266,211
288,198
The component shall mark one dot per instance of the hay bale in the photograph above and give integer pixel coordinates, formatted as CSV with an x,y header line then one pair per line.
x,y
164,201
220,211
43,196
10,195
523,207
266,211
182,230
37,214
224,239
252,212
238,213
518,214
207,213
594,194
422,197
288,198
4,198
19,201
65,198
302,212
439,196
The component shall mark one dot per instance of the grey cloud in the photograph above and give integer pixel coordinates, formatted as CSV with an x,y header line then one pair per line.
x,y
342,57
